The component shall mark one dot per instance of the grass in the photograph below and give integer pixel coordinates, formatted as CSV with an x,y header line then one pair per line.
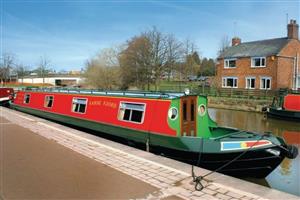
x,y
175,86
23,85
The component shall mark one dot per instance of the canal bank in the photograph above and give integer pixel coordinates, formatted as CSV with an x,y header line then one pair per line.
x,y
170,178
253,105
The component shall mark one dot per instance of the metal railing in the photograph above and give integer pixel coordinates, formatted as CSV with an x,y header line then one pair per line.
x,y
149,94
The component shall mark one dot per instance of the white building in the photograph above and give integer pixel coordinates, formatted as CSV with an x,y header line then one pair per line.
x,y
55,80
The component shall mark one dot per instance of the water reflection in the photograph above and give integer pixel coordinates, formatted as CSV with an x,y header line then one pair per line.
x,y
285,167
285,177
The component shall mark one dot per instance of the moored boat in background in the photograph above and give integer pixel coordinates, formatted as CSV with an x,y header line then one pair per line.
x,y
174,124
285,106
6,95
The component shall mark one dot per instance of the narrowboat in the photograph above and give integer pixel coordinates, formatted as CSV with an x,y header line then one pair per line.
x,y
286,107
6,95
176,125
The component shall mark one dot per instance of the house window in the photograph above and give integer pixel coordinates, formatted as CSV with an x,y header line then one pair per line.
x,y
258,62
250,83
265,83
27,98
48,103
132,112
79,105
229,82
230,63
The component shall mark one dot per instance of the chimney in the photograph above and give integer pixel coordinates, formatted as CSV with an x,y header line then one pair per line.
x,y
236,41
292,30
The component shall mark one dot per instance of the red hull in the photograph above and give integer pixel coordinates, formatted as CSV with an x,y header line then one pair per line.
x,y
6,94
292,102
104,109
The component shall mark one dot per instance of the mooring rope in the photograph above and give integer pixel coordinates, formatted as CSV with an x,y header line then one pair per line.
x,y
197,179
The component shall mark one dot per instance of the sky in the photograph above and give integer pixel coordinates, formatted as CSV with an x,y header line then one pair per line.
x,y
68,33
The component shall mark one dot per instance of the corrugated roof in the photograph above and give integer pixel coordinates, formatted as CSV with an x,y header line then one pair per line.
x,y
256,48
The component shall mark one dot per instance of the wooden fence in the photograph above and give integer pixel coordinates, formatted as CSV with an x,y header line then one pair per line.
x,y
223,92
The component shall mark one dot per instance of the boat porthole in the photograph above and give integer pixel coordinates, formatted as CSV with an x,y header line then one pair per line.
x,y
201,110
173,113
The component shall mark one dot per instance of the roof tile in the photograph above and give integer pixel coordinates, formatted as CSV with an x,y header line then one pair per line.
x,y
256,48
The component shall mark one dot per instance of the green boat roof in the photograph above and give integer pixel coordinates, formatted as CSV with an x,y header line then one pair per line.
x,y
127,93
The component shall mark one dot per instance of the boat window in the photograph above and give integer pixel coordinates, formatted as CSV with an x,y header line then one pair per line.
x,y
48,103
173,112
26,98
79,105
201,110
192,111
132,112
184,111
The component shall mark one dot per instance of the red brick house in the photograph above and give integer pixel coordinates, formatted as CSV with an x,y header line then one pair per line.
x,y
265,64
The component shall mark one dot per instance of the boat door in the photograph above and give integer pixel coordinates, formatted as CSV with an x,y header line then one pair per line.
x,y
188,115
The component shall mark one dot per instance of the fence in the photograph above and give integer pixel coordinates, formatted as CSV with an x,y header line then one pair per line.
x,y
237,93
223,92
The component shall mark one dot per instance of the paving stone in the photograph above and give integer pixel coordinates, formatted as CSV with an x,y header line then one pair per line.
x,y
234,195
207,196
195,197
246,198
153,181
197,193
186,193
180,176
222,196
166,171
164,179
209,191
163,185
222,190
174,178
155,167
174,173
212,187
152,171
143,177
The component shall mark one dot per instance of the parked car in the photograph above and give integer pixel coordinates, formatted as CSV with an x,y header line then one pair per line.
x,y
192,78
202,78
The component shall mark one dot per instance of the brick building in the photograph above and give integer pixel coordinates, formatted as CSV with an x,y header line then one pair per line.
x,y
265,64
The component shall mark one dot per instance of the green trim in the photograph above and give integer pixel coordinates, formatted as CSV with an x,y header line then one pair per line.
x,y
175,124
204,121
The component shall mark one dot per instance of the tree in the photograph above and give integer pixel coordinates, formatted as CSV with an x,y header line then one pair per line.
x,y
208,67
145,58
158,54
103,70
174,52
6,65
43,67
191,60
21,71
224,44
135,62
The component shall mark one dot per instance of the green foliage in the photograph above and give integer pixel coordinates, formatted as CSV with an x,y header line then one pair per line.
x,y
208,67
103,71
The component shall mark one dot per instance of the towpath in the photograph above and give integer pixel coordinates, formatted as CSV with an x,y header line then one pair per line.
x,y
44,160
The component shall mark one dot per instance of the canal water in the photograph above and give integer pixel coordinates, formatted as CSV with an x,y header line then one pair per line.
x,y
286,177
